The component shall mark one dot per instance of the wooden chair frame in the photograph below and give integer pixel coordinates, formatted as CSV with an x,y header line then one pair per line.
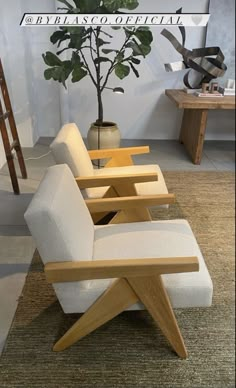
x,y
136,280
122,185
118,157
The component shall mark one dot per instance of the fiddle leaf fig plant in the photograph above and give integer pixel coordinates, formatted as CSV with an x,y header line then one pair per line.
x,y
90,48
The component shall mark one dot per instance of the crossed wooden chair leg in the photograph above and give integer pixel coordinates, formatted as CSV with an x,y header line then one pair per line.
x,y
123,293
122,186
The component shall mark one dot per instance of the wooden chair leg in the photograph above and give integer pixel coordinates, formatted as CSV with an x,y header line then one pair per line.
x,y
131,215
120,161
99,216
118,297
152,293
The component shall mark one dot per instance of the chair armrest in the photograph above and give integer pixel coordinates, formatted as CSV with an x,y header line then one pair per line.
x,y
109,153
105,269
111,180
123,203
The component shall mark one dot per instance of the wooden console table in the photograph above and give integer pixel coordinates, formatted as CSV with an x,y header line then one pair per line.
x,y
194,121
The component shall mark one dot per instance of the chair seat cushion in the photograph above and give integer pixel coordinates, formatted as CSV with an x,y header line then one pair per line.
x,y
144,240
148,188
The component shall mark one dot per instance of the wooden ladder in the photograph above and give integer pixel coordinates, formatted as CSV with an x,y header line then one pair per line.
x,y
8,147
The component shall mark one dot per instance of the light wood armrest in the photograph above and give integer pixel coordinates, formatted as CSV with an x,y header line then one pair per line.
x,y
111,180
122,203
105,269
113,152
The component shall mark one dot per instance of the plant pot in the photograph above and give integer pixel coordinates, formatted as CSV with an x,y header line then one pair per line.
x,y
106,136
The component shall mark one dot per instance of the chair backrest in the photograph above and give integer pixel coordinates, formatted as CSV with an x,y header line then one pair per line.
x,y
59,220
69,148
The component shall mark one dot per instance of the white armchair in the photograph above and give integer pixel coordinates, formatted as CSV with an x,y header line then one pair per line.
x,y
119,177
104,270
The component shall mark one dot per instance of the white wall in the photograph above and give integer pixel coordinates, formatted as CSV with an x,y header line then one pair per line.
x,y
221,123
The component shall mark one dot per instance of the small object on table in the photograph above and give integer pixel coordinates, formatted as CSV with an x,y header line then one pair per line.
x,y
229,89
191,91
209,95
214,87
230,84
226,91
205,87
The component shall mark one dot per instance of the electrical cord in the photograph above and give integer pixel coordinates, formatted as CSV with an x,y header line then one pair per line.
x,y
39,157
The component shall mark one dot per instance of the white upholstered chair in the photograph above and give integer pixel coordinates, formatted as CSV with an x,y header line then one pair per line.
x,y
104,270
119,177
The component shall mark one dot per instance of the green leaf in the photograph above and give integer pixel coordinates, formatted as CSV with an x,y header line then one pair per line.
x,y
60,72
101,59
87,6
65,2
56,73
108,51
145,50
51,59
77,3
130,4
134,69
48,74
76,41
128,32
56,36
144,35
102,10
66,70
139,49
66,37
135,60
114,5
59,36
76,30
78,73
67,65
75,59
121,70
120,56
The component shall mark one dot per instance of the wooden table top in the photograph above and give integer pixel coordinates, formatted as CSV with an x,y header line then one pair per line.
x,y
189,101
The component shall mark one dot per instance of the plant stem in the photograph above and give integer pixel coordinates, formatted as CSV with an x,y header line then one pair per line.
x,y
114,63
100,108
87,67
99,89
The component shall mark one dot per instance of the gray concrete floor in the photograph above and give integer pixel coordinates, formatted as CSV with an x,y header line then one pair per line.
x,y
16,244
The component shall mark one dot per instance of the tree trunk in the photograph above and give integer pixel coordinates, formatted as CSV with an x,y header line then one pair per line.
x,y
99,121
100,107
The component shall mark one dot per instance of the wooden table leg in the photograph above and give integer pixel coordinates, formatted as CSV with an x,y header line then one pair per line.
x,y
193,132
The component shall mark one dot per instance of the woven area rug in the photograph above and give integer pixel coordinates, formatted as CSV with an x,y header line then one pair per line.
x,y
130,351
